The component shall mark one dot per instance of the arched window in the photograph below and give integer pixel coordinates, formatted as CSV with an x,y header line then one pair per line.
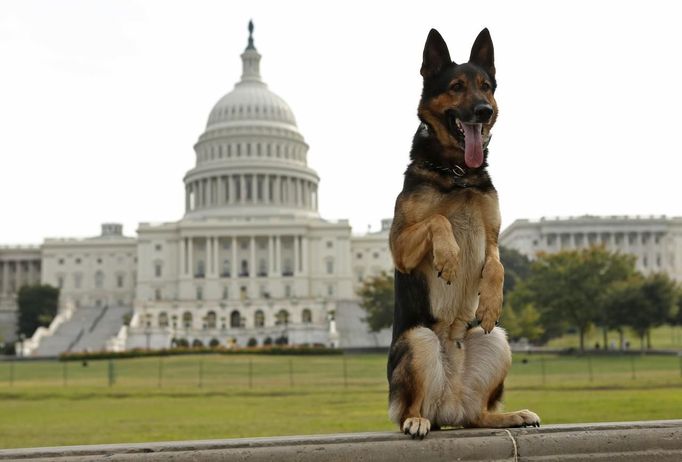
x,y
187,319
235,319
99,279
211,320
163,319
282,318
259,319
306,316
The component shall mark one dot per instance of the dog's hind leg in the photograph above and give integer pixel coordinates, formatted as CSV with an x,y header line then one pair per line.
x,y
488,359
417,381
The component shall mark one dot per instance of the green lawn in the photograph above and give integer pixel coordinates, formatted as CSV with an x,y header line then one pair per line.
x,y
663,337
48,403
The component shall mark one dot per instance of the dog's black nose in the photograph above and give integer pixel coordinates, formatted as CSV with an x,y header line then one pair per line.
x,y
483,112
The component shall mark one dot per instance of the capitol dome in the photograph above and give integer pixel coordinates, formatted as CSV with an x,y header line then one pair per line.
x,y
251,160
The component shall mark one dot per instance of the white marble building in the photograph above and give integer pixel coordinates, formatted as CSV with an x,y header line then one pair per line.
x,y
19,266
251,262
656,241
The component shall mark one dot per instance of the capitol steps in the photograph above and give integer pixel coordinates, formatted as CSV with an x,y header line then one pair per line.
x,y
87,330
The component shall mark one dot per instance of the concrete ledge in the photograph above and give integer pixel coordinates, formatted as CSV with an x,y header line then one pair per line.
x,y
626,441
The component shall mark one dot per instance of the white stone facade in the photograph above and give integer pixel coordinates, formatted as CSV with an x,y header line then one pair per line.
x,y
19,266
655,241
96,271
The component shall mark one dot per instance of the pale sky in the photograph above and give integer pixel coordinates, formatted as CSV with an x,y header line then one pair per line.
x,y
101,103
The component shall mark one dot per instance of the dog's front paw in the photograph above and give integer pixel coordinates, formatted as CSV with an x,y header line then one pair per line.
x,y
489,309
417,427
446,260
525,418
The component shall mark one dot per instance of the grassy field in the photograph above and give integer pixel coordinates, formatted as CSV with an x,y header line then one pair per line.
x,y
662,338
204,397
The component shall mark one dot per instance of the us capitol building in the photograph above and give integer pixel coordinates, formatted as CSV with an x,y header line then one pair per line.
x,y
250,263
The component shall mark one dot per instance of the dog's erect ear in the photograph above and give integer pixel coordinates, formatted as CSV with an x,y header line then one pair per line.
x,y
436,55
482,53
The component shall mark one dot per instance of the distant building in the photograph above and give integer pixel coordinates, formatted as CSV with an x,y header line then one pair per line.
x,y
251,262
19,266
655,241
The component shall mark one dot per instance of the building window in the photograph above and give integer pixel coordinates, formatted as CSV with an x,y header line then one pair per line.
x,y
306,316
163,319
77,279
330,244
259,319
187,319
287,291
375,255
157,295
244,269
78,261
211,320
226,293
158,270
99,280
282,318
330,290
201,269
288,267
200,293
60,261
99,261
119,281
330,266
226,269
243,293
358,255
235,319
262,267
157,247
60,282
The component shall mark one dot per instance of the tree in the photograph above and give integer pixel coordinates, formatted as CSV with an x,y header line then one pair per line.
x,y
524,324
37,307
516,267
642,303
377,298
569,285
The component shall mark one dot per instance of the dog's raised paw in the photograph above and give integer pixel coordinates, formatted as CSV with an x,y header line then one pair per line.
x,y
417,427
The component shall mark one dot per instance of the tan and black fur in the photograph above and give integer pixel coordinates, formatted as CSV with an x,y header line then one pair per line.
x,y
441,370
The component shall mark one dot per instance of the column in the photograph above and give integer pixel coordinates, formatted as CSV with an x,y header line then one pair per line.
x,y
183,257
304,252
18,278
235,267
216,261
242,186
209,257
221,191
187,193
230,189
277,196
266,189
278,256
252,256
5,277
254,188
271,254
190,256
296,259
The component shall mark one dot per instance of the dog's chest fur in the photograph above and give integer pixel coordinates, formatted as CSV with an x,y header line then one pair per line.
x,y
459,300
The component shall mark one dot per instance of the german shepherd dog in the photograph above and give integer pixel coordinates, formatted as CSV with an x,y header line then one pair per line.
x,y
443,371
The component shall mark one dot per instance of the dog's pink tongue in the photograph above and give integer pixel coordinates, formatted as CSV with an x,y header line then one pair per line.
x,y
473,145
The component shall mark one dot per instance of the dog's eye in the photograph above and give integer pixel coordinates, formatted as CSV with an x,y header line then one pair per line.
x,y
457,86
485,86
